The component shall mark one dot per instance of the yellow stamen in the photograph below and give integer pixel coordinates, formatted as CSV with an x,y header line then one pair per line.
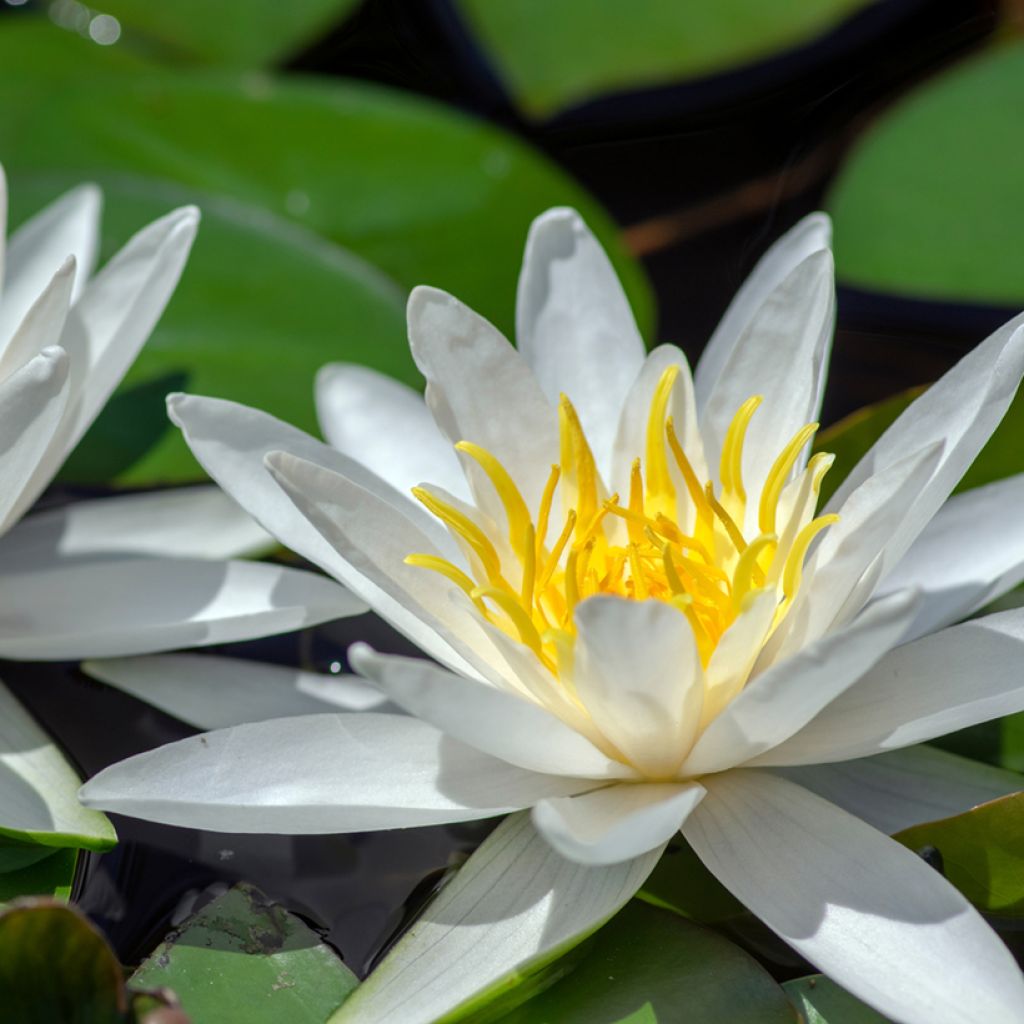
x,y
515,508
731,464
777,476
660,489
545,509
445,568
636,569
529,567
748,573
725,519
793,572
464,527
705,515
511,607
556,552
636,503
577,462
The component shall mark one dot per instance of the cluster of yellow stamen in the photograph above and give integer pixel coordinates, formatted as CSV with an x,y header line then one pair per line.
x,y
684,545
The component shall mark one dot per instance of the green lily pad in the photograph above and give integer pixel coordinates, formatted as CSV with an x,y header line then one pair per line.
x,y
235,33
262,305
244,960
553,54
821,1001
681,883
648,966
982,853
55,968
427,194
928,203
50,874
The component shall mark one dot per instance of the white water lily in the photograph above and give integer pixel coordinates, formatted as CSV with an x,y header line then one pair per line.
x,y
114,576
643,624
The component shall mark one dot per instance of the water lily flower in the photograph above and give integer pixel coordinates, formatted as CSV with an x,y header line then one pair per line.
x,y
641,623
114,576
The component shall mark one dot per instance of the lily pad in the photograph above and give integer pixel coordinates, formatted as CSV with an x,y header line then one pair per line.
x,y
262,305
928,203
982,853
821,1001
50,874
55,968
681,883
553,54
648,966
427,194
235,33
244,960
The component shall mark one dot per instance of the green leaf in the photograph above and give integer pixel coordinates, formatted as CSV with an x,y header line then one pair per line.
x,y
982,853
429,195
236,33
244,960
648,966
55,968
262,305
50,875
552,54
928,204
821,1001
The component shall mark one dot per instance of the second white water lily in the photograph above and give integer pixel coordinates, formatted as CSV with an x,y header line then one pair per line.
x,y
645,626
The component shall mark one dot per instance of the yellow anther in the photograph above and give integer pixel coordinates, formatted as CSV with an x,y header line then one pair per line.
x,y
660,489
777,476
529,548
516,512
636,503
693,485
516,613
590,531
731,529
445,568
675,584
545,509
793,573
556,552
636,570
577,462
748,575
464,527
731,464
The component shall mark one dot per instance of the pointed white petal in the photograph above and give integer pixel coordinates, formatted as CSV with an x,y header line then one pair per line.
x,y
121,606
498,723
38,787
860,907
187,522
638,673
616,823
372,418
961,410
318,774
964,675
67,227
480,389
811,235
781,354
515,904
969,554
901,788
43,323
777,703
212,693
32,402
574,325
231,441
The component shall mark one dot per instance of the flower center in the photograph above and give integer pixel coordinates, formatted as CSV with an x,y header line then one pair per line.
x,y
671,538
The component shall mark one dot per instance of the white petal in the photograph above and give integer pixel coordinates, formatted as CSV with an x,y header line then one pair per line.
x,y
860,907
616,823
901,788
495,722
777,703
372,541
38,787
318,774
479,389
67,227
212,693
514,904
962,676
43,323
574,325
231,440
638,673
109,324
631,439
781,354
187,522
810,235
373,418
120,606
969,554
961,410
32,402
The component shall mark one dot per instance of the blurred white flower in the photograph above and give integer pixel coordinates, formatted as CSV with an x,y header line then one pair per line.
x,y
645,626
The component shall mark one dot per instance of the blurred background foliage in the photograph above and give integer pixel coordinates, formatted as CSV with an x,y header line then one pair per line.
x,y
342,152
